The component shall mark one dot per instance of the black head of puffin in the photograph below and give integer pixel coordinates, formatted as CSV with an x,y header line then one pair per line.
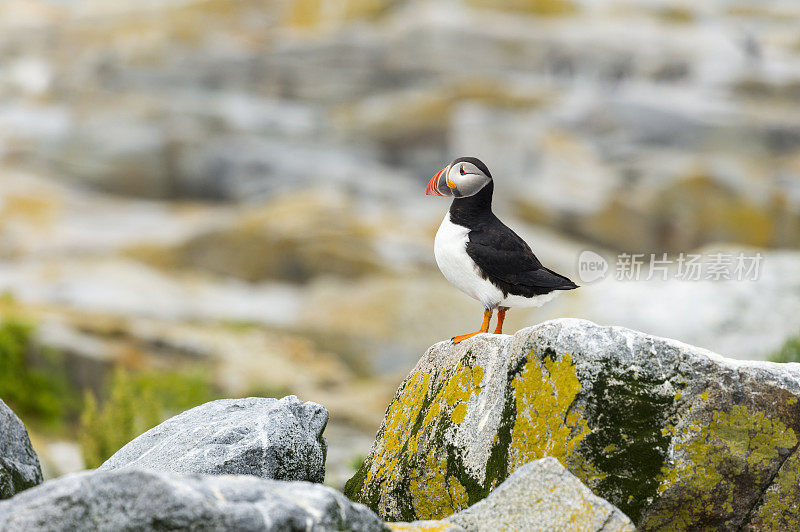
x,y
464,177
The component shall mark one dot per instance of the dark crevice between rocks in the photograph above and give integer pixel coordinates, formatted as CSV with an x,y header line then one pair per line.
x,y
746,519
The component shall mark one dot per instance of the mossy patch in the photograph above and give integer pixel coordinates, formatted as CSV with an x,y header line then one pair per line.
x,y
629,418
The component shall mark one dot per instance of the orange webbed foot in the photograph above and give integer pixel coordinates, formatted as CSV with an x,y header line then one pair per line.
x,y
461,337
487,316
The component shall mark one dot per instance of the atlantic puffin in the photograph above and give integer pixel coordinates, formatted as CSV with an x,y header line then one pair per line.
x,y
480,255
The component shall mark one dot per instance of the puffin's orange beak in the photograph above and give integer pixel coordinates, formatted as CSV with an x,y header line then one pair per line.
x,y
433,184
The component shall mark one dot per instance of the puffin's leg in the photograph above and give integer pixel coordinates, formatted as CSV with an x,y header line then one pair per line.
x,y
487,316
501,315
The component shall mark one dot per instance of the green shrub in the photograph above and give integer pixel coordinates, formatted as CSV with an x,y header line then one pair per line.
x,y
32,378
136,402
127,412
176,391
789,352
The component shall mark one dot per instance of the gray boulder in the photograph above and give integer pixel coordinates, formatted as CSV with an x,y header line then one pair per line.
x,y
270,438
143,500
673,435
542,495
19,465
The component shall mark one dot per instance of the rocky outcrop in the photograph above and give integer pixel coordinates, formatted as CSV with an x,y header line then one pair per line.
x,y
308,235
19,465
270,438
262,119
673,435
148,500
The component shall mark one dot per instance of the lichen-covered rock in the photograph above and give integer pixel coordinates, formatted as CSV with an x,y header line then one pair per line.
x,y
135,499
542,495
778,507
270,438
19,465
673,435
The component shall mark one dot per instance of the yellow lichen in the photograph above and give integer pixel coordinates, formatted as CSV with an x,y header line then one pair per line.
x,y
402,411
459,412
458,494
433,493
545,425
462,385
779,509
711,456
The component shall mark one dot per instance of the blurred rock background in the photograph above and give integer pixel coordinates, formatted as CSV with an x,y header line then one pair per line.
x,y
207,198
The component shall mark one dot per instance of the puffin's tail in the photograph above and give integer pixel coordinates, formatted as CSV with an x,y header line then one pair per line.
x,y
561,282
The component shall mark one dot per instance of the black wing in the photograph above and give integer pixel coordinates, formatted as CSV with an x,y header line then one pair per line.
x,y
508,262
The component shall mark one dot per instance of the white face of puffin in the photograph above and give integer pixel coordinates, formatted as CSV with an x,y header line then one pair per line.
x,y
460,179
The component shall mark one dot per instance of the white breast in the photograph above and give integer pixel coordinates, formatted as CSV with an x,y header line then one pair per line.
x,y
450,249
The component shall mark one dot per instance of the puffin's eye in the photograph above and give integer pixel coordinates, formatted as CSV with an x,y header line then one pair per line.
x,y
461,171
